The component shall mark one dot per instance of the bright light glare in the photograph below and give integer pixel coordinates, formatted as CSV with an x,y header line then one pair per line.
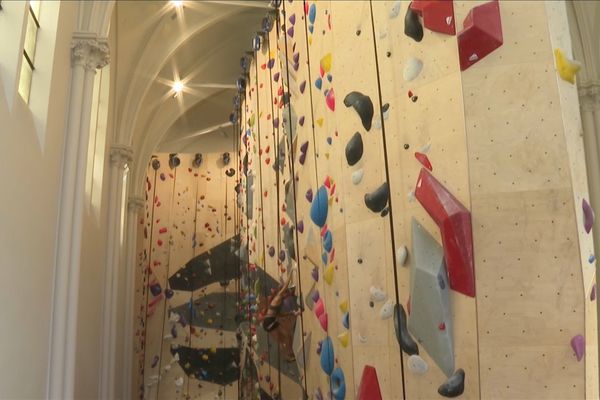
x,y
177,87
177,3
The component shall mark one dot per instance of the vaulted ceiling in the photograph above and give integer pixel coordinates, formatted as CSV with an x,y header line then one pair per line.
x,y
158,43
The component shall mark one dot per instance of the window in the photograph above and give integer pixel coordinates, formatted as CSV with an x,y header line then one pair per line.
x,y
27,63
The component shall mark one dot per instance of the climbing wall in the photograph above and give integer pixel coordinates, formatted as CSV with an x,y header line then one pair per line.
x,y
188,279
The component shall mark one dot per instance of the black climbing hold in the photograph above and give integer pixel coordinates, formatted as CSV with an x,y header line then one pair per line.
x,y
256,42
385,211
155,164
267,24
454,386
174,161
358,32
406,342
230,172
385,107
226,158
360,260
197,160
241,84
354,149
371,304
377,200
414,99
406,146
388,54
363,106
412,25
441,281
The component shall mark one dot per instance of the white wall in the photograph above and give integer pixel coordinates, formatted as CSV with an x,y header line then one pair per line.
x,y
30,177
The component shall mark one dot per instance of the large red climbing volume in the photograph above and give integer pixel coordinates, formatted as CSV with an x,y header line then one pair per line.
x,y
438,15
454,221
481,34
369,385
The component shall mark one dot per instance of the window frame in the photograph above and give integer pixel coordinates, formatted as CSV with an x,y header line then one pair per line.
x,y
26,57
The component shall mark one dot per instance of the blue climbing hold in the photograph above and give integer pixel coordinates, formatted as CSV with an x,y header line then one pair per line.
x,y
319,207
311,28
324,258
312,13
319,83
346,321
327,358
328,241
338,384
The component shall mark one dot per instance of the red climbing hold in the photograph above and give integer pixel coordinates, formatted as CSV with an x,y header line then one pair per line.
x,y
454,221
481,34
369,385
424,160
442,326
438,15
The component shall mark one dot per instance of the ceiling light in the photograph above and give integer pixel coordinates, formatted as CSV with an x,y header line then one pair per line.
x,y
177,88
177,3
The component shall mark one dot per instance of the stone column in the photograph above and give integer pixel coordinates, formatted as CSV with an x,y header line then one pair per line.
x,y
88,53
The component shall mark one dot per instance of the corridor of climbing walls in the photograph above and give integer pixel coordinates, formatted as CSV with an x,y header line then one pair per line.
x,y
415,170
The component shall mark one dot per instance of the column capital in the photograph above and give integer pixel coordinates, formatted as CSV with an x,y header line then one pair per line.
x,y
135,204
89,51
120,155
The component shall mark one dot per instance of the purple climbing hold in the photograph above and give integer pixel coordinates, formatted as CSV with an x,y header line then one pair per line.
x,y
169,293
296,58
304,147
276,77
174,331
315,274
282,255
593,293
290,31
301,120
578,346
292,19
309,195
315,296
302,86
271,63
271,251
588,216
302,158
154,361
155,289
276,122
162,176
300,226
591,258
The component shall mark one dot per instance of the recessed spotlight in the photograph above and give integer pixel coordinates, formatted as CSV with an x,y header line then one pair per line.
x,y
177,3
177,88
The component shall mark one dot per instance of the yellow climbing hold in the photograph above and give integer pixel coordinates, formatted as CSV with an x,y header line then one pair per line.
x,y
320,122
327,156
326,62
209,321
344,338
251,120
205,357
213,350
344,306
328,274
310,39
330,201
566,67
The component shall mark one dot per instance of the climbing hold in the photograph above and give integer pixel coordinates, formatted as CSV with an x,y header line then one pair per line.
x,y
328,241
387,310
357,176
588,216
318,394
454,221
412,69
412,25
154,361
179,381
369,385
401,255
302,158
395,11
302,86
454,386
319,306
300,226
438,16
197,160
155,164
377,294
323,321
325,64
578,346
424,160
482,34
344,338
226,158
327,356
169,293
155,289
304,147
330,99
344,306
309,195
429,303
407,344
328,274
338,384
315,274
363,105
319,83
417,365
319,207
354,149
174,161
591,258
346,320
378,199
230,172
566,67
593,293
312,13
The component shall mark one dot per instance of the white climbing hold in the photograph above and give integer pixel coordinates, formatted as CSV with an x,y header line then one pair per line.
x,y
411,196
174,317
395,9
425,149
377,123
361,338
179,381
167,367
357,176
387,310
401,255
383,34
377,294
417,365
412,69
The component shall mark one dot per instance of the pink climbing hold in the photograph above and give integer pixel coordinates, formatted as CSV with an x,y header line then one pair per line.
x,y
330,99
438,15
424,160
319,307
369,385
588,215
323,321
578,346
481,34
454,221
